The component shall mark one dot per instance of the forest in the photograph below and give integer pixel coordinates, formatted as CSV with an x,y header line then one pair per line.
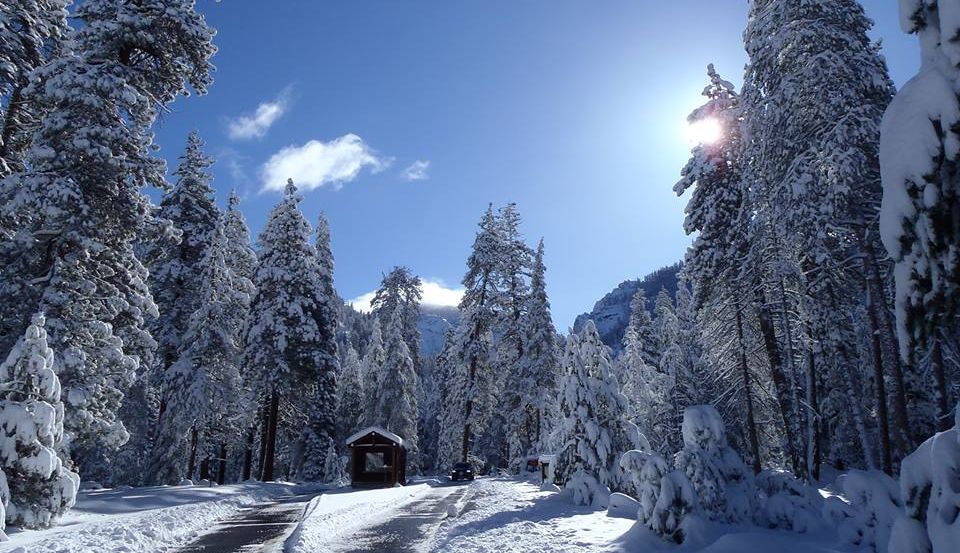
x,y
812,338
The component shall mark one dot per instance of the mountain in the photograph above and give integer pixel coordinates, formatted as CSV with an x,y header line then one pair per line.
x,y
612,312
434,323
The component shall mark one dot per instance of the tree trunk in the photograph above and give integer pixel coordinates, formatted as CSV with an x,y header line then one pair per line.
x,y
813,422
264,426
222,467
271,435
14,105
745,373
248,455
883,418
780,383
940,380
901,425
192,461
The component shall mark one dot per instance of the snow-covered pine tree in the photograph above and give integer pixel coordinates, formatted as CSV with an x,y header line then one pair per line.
x,y
351,396
718,211
398,394
919,155
817,87
471,380
596,431
370,372
533,384
204,386
40,488
79,211
401,289
31,32
286,331
321,432
242,260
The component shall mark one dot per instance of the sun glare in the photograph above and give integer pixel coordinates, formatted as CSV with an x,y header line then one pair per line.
x,y
705,131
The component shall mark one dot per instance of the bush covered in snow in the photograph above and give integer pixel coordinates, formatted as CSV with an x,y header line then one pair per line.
x,y
585,489
722,482
788,503
31,420
930,484
872,504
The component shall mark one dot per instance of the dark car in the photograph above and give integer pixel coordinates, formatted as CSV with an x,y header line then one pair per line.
x,y
461,471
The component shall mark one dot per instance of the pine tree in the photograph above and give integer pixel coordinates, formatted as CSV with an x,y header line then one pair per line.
x,y
351,396
471,380
816,89
921,196
401,289
286,339
398,409
321,433
534,383
31,32
371,372
596,432
204,396
39,487
79,211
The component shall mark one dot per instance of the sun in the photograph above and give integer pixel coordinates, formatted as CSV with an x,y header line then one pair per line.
x,y
704,131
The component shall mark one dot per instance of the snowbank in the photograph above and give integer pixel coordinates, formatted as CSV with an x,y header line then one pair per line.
x,y
340,513
155,519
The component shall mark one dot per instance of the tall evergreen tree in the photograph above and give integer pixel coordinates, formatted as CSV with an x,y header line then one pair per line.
x,y
534,383
370,371
79,206
286,334
204,385
320,441
351,396
921,195
401,289
471,381
398,409
40,489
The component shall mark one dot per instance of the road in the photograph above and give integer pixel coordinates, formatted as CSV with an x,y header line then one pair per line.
x,y
263,528
410,527
258,528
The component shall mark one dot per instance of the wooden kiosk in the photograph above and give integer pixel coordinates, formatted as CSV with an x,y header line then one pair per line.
x,y
378,459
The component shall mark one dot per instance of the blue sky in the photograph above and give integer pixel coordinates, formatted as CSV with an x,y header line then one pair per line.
x,y
406,118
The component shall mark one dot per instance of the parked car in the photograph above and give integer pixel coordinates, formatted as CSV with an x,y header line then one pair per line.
x,y
461,471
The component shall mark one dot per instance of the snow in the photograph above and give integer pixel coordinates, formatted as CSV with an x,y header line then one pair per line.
x,y
506,516
375,430
338,514
153,519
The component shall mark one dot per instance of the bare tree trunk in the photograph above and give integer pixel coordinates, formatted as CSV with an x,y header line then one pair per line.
x,y
745,374
813,421
264,430
222,467
886,457
248,456
781,386
940,380
271,435
192,461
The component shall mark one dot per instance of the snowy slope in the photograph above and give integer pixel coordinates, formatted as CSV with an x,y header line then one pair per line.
x,y
155,519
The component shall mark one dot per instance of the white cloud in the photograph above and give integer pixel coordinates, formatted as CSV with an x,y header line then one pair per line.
x,y
317,164
418,170
435,294
257,124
